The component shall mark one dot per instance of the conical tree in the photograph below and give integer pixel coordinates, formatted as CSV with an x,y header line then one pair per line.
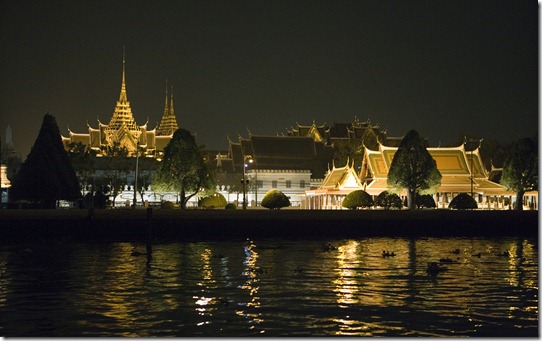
x,y
47,174
413,168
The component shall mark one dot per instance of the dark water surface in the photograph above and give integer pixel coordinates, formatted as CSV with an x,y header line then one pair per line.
x,y
271,288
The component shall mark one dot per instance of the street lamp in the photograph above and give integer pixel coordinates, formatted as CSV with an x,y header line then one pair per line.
x,y
246,158
471,158
136,169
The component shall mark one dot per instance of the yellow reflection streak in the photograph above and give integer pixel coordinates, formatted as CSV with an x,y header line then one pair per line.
x,y
204,303
346,284
251,272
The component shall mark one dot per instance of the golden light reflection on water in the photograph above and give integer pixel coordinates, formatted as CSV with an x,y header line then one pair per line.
x,y
251,273
289,287
346,283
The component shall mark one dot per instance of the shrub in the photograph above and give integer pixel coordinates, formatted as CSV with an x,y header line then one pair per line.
x,y
216,200
167,205
275,200
230,206
389,200
357,199
463,201
425,201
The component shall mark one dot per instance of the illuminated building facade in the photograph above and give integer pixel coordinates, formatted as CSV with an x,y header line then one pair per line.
x,y
123,130
462,172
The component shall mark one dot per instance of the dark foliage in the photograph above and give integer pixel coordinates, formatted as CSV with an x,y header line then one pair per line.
x,y
216,200
47,174
183,168
520,171
275,200
389,200
357,199
463,201
413,168
425,201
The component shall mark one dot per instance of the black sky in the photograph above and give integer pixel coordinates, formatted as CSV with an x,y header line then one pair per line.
x,y
440,67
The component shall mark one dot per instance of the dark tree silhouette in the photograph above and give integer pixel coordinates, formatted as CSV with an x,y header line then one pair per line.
x,y
46,175
520,170
183,168
389,200
463,201
413,168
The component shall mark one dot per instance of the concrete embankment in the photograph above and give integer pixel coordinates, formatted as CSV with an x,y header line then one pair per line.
x,y
195,225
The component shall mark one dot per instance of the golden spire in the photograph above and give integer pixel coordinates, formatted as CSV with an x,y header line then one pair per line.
x,y
123,97
166,107
171,111
168,124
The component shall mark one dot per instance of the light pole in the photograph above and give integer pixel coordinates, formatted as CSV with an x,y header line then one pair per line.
x,y
136,170
246,158
471,159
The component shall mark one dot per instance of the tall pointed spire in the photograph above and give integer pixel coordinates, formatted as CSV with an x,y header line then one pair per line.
x,y
122,127
168,124
166,106
123,97
171,110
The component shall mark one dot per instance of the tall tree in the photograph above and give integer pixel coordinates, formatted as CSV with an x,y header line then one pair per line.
x,y
46,175
413,168
520,170
183,168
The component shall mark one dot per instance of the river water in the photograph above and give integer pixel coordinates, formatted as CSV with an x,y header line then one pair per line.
x,y
271,288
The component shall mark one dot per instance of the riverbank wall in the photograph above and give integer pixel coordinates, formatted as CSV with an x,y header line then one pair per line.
x,y
217,225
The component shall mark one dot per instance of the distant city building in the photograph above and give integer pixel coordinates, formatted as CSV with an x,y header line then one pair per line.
x,y
123,130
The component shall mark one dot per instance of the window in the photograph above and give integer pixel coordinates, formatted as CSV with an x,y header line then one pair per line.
x,y
288,184
274,184
259,183
302,184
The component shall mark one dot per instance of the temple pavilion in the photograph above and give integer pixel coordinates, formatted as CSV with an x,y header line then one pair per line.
x,y
123,130
462,172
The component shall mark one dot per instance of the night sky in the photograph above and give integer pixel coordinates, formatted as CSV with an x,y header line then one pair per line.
x,y
440,67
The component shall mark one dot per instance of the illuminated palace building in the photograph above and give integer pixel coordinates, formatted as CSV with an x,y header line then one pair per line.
x,y
304,165
124,131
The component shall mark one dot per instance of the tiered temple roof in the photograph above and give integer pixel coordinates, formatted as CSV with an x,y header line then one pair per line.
x,y
168,125
123,129
340,179
455,165
340,132
278,153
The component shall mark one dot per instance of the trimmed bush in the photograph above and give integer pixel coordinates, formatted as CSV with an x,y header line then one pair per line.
x,y
167,205
357,199
216,200
463,201
389,200
425,201
275,200
230,206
